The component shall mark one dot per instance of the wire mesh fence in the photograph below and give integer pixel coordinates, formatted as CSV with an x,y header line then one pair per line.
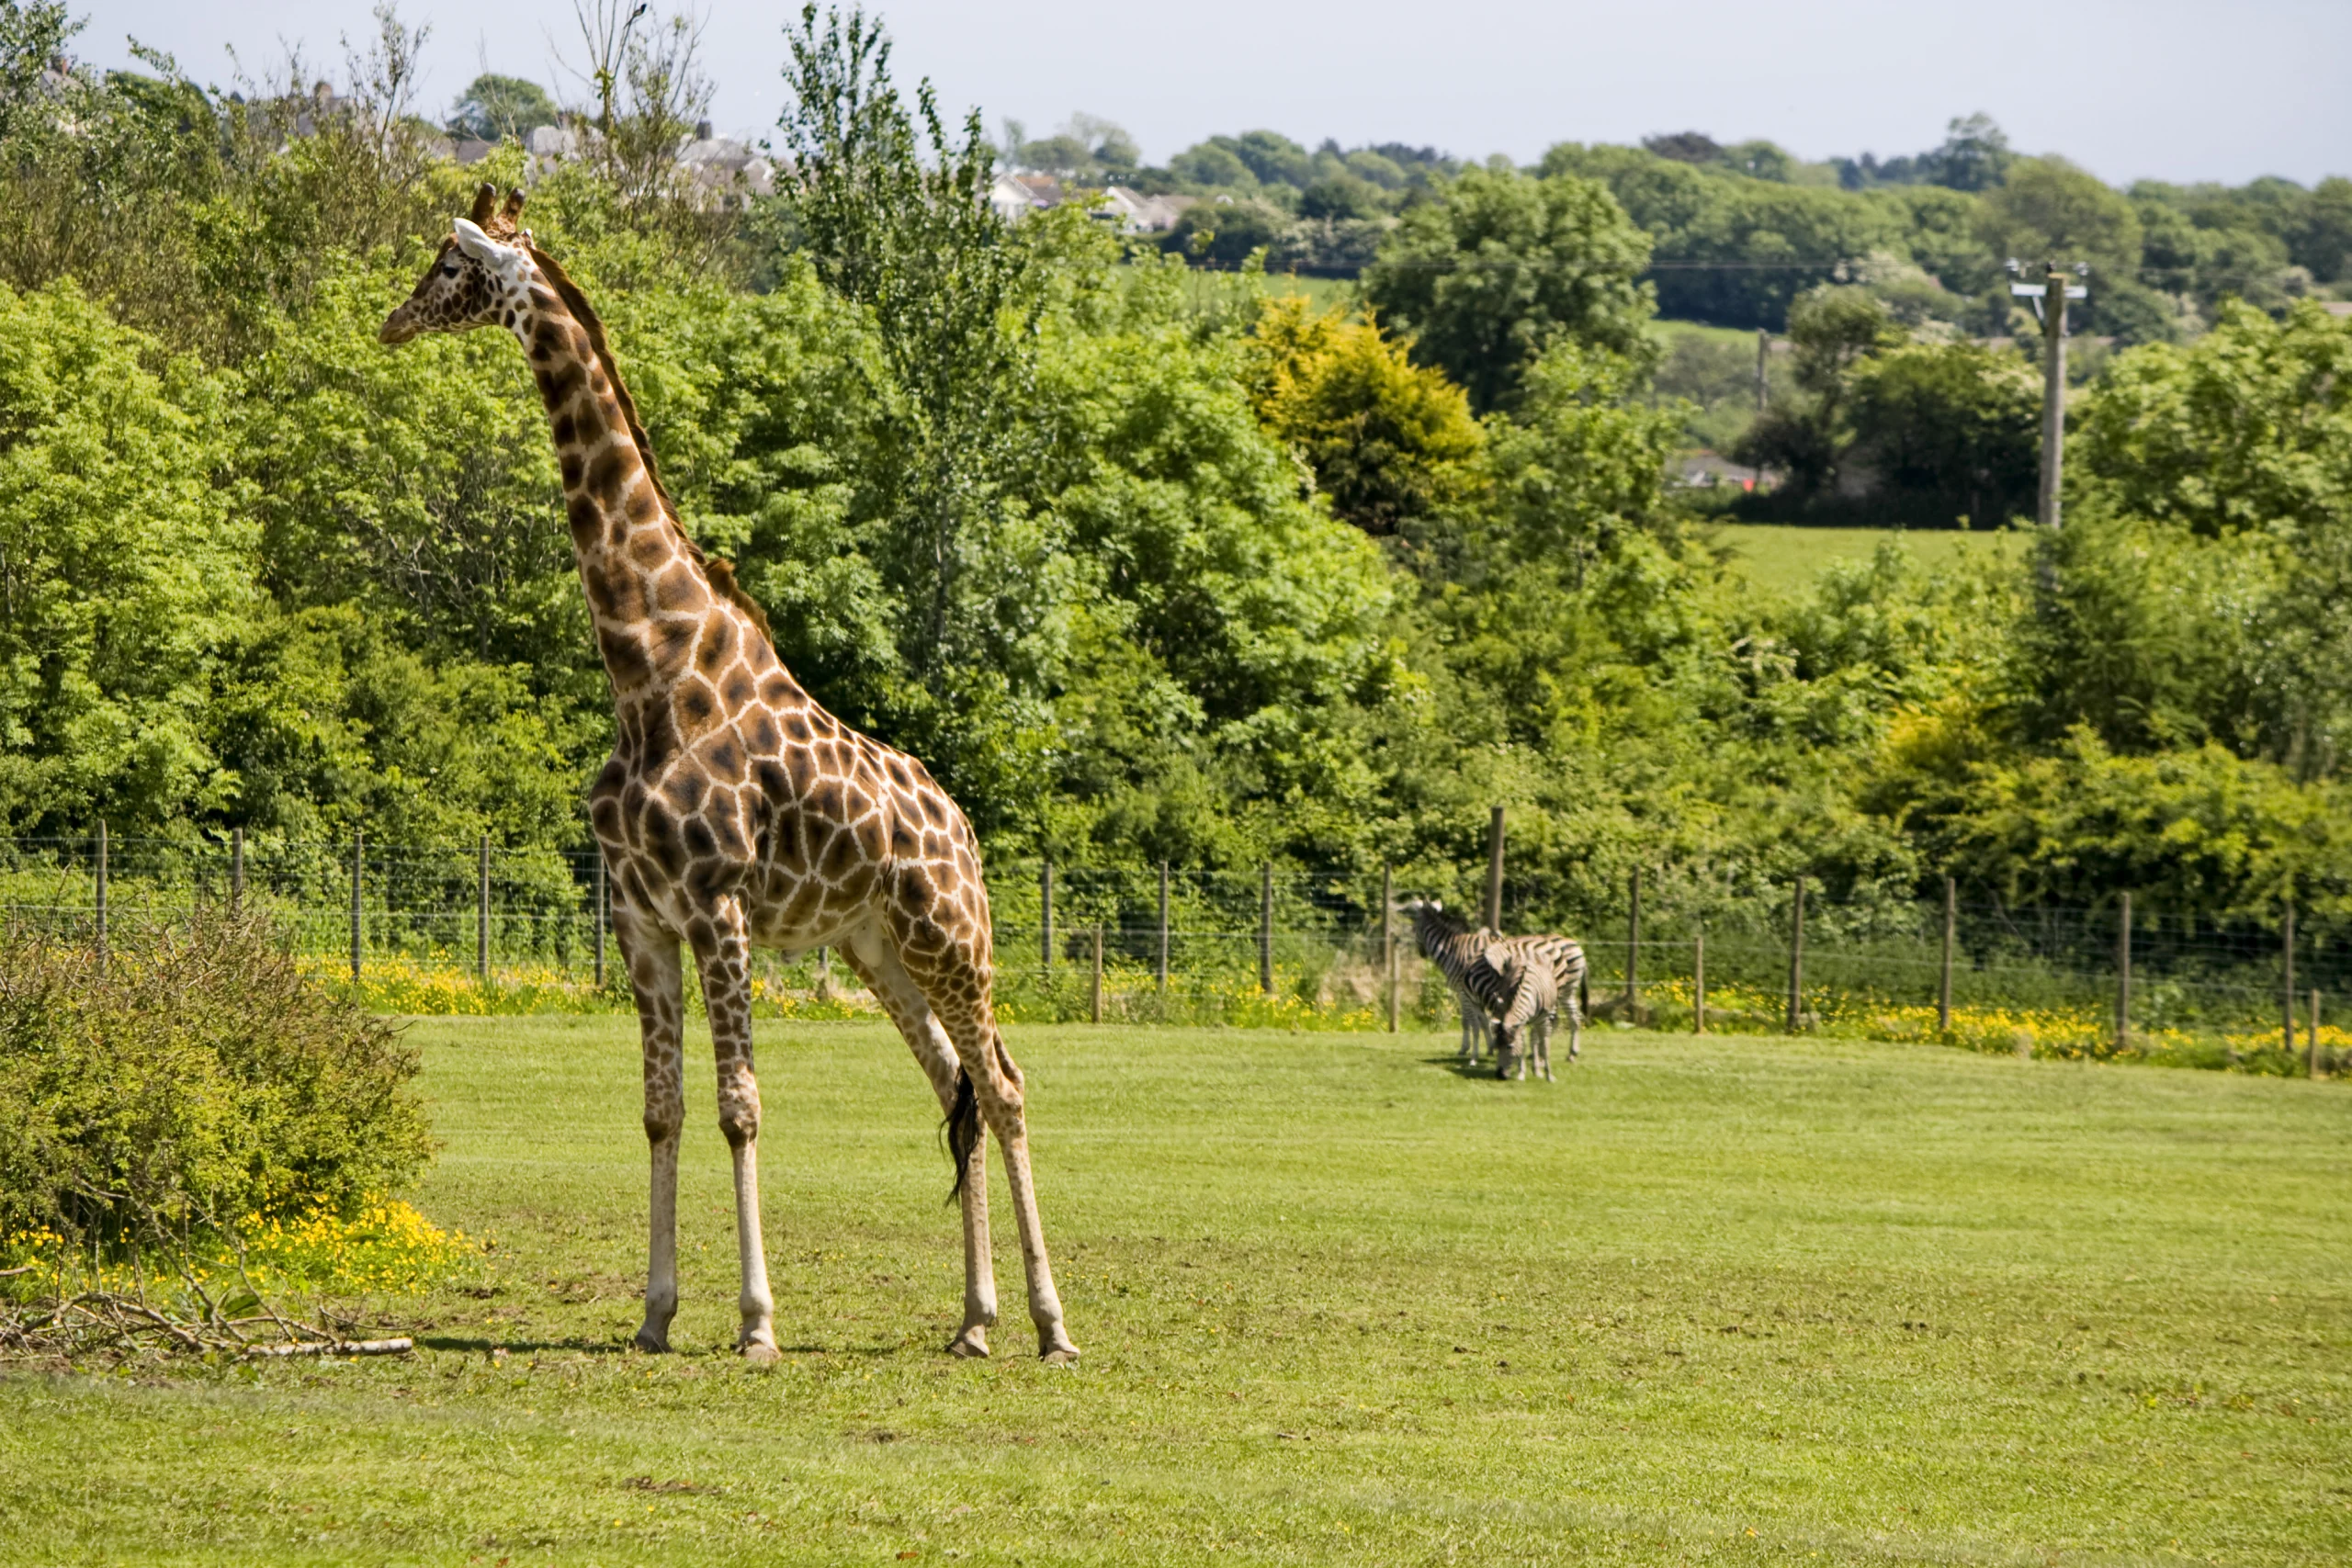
x,y
473,928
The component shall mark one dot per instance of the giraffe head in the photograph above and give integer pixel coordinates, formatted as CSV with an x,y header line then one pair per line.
x,y
481,277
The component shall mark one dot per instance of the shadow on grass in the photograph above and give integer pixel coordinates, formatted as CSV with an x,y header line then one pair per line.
x,y
1482,1071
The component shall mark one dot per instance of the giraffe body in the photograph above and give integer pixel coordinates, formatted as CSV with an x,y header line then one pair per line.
x,y
736,812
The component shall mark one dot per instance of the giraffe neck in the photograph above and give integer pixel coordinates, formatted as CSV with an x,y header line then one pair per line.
x,y
648,593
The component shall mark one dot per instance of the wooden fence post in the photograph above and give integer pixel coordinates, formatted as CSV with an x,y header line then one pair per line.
x,y
599,917
2288,946
1796,959
1046,919
2314,1032
1266,928
2123,977
236,870
1699,982
1951,922
1634,949
1388,939
1095,1010
358,869
482,910
1495,871
1163,928
98,885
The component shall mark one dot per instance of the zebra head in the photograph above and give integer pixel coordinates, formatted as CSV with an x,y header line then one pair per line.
x,y
1507,1038
1430,919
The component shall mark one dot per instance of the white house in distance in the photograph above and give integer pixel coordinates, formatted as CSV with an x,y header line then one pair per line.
x,y
1015,196
724,166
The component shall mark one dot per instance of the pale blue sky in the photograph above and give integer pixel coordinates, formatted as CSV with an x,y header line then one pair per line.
x,y
2161,88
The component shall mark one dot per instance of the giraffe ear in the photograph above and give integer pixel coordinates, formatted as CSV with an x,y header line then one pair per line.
x,y
485,203
475,243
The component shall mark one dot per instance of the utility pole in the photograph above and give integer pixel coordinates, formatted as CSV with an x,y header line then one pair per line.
x,y
2050,298
1763,355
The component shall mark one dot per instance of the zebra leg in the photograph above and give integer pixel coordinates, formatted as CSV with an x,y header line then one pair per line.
x,y
1473,1028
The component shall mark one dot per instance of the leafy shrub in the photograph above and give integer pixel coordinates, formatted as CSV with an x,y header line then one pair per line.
x,y
194,1076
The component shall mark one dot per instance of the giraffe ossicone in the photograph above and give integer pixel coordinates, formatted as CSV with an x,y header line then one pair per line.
x,y
736,812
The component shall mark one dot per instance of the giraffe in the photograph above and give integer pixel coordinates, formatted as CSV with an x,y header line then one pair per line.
x,y
736,812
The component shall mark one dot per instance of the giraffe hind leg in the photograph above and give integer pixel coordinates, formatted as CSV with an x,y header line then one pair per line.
x,y
877,965
956,981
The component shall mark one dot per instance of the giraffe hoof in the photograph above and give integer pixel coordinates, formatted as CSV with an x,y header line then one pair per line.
x,y
1057,1352
759,1353
650,1343
972,1343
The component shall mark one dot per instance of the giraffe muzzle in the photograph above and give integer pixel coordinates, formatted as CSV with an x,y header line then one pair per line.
x,y
399,327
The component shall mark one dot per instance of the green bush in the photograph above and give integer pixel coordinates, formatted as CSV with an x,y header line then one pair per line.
x,y
192,1078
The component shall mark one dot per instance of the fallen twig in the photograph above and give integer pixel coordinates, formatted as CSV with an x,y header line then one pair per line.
x,y
96,1321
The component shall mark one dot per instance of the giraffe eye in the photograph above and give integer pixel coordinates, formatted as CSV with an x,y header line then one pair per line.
x,y
449,269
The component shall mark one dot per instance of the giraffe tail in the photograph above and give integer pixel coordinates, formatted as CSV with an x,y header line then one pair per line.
x,y
963,1131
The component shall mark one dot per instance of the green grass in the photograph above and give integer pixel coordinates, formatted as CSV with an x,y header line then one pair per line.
x,y
1341,294
1731,1301
1784,559
1670,332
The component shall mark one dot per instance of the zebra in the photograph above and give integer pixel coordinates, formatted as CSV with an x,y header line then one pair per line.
x,y
1541,974
1493,977
1460,954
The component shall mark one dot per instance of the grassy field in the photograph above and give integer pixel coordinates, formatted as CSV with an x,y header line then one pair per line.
x,y
1783,559
1732,1300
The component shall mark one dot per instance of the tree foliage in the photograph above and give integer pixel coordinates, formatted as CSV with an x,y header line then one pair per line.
x,y
1504,266
1390,443
1147,565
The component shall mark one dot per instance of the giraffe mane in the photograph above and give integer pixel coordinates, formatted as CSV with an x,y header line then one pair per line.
x,y
717,569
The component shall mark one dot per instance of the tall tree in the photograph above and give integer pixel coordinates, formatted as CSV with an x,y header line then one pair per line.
x,y
493,108
894,216
1502,266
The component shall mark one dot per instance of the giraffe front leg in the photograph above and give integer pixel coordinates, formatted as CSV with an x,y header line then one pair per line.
x,y
655,976
722,954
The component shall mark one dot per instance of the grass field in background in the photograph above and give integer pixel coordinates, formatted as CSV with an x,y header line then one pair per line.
x,y
1342,294
1720,1301
1784,559
1668,331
